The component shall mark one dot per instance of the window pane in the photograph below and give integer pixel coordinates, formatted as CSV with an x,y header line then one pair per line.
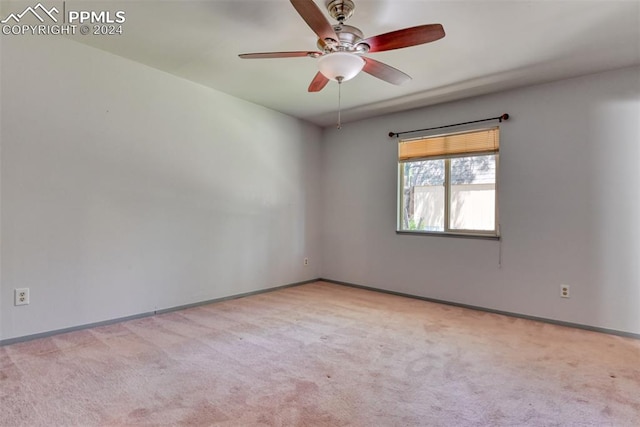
x,y
423,196
473,193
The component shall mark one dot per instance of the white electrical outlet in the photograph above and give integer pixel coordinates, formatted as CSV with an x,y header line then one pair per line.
x,y
306,261
564,291
21,296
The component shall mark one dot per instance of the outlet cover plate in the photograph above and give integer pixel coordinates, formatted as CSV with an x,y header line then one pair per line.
x,y
21,296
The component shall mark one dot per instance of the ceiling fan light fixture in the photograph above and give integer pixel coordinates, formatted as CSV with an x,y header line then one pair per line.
x,y
340,66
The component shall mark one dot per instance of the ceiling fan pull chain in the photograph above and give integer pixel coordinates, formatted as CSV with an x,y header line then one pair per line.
x,y
339,101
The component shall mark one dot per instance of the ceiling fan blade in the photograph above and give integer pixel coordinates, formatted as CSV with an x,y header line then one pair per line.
x,y
295,54
385,72
404,38
314,17
318,83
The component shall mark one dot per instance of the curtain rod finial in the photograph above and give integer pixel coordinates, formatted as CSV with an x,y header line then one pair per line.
x,y
505,116
392,134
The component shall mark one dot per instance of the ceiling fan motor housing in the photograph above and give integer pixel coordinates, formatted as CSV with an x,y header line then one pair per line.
x,y
349,39
341,10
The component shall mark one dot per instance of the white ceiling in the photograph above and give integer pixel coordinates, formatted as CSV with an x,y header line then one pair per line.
x,y
489,46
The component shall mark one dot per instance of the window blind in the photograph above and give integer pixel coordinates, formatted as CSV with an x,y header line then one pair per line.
x,y
439,146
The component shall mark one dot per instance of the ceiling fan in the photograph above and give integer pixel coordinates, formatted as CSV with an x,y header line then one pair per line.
x,y
342,47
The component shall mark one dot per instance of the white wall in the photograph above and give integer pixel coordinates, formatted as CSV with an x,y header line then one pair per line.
x,y
125,190
569,188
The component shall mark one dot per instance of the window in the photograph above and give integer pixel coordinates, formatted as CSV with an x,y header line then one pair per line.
x,y
448,183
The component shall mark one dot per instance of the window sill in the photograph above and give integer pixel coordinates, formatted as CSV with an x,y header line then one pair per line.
x,y
449,234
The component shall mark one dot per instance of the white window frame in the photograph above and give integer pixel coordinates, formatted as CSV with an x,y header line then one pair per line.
x,y
448,231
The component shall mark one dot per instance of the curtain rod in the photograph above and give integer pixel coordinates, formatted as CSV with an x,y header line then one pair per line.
x,y
505,116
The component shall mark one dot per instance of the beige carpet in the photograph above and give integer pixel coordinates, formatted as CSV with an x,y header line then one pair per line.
x,y
323,355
